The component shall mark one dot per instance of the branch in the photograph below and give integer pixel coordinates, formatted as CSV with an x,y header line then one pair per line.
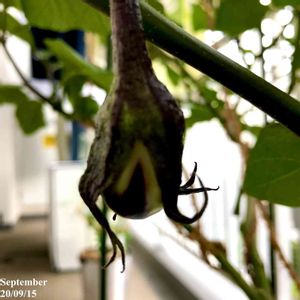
x,y
217,251
254,263
170,37
276,245
31,88
55,105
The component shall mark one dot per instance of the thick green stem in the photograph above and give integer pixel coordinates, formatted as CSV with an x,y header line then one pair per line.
x,y
174,40
251,291
235,276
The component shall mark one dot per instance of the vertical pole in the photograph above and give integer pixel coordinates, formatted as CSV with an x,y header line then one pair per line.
x,y
272,253
103,281
75,142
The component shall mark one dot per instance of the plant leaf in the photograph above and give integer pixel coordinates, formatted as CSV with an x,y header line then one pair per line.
x,y
15,3
173,75
65,15
14,27
29,113
177,14
255,130
199,17
199,113
73,61
236,16
84,107
30,116
282,3
73,86
273,171
11,94
156,5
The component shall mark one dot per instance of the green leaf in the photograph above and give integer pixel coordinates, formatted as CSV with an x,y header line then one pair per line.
x,y
204,112
273,171
178,12
173,75
156,5
210,95
199,17
15,3
30,116
74,62
85,107
73,86
236,16
199,113
282,3
11,25
29,113
64,15
11,94
255,130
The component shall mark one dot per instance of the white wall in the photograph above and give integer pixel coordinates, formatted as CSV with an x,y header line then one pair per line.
x,y
9,204
32,162
9,198
23,159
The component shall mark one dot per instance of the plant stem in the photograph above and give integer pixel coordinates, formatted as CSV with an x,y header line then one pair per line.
x,y
255,265
170,37
55,106
225,265
272,252
235,276
129,50
277,247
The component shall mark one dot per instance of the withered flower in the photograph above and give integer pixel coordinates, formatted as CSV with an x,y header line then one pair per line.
x,y
135,159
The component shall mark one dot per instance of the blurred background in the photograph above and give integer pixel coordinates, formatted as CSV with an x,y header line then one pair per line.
x,y
55,69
